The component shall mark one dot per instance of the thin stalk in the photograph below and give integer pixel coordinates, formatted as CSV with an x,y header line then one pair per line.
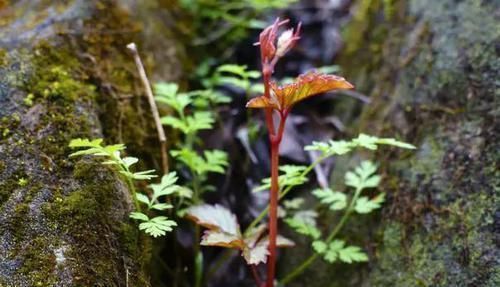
x,y
302,267
198,262
273,201
154,110
273,214
264,212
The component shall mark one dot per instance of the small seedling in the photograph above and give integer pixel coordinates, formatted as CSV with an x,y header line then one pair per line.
x,y
277,101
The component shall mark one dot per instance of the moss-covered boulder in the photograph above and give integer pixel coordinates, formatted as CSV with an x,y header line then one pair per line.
x,y
65,73
431,69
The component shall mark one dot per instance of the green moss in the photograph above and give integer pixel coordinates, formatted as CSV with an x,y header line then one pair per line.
x,y
39,262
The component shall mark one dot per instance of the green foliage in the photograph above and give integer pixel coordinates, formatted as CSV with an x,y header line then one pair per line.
x,y
332,147
336,200
212,161
156,226
302,227
292,175
337,250
112,155
363,177
365,205
153,226
226,22
194,112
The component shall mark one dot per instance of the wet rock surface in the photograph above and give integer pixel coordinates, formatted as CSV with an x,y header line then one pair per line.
x,y
430,69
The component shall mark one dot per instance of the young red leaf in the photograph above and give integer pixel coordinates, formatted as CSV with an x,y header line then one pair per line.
x,y
282,98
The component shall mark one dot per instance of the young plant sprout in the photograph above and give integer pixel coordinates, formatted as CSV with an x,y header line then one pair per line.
x,y
256,247
279,100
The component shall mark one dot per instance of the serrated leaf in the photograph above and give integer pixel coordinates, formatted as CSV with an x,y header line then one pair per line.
x,y
142,198
74,143
319,246
215,217
303,228
291,176
166,186
363,176
129,161
332,252
365,205
352,179
306,216
161,206
334,199
305,86
157,226
256,254
372,181
175,123
221,239
184,192
139,216
295,203
352,254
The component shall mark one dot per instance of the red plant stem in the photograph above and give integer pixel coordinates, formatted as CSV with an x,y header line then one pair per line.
x,y
267,70
273,202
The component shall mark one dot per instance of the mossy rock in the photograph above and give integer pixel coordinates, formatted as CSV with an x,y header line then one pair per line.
x,y
431,69
65,73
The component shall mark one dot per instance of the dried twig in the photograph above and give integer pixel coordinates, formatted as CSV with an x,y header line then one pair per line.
x,y
154,110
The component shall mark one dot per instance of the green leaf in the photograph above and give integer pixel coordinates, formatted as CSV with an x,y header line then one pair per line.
x,y
319,246
175,123
200,121
331,147
157,226
167,93
363,176
303,228
295,203
147,174
142,198
139,216
129,161
365,205
334,199
334,248
239,70
291,176
352,254
75,143
161,206
167,186
214,161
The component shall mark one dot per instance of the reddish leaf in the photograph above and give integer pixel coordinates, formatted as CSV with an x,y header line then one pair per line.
x,y
222,239
215,217
307,85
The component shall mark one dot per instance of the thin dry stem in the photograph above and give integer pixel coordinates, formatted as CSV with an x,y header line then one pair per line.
x,y
154,109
